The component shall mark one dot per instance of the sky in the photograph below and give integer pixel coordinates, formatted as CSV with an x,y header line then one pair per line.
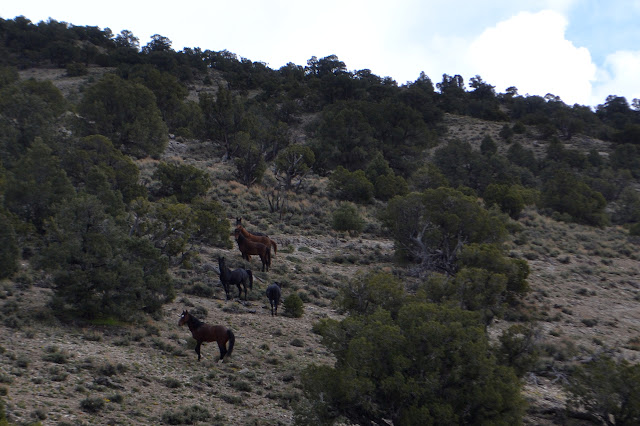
x,y
579,50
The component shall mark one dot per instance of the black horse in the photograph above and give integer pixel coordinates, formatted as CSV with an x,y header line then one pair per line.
x,y
274,293
238,277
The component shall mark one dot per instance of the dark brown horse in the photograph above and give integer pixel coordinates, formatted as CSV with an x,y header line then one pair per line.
x,y
208,333
256,237
247,248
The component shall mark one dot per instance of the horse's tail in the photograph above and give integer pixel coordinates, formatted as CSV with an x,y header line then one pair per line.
x,y
275,247
232,341
269,256
250,278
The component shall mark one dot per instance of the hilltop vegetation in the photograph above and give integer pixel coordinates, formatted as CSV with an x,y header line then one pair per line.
x,y
123,167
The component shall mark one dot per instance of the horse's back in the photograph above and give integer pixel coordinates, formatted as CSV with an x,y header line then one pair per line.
x,y
239,275
273,292
258,246
210,333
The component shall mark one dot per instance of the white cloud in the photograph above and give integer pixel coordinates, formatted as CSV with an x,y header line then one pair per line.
x,y
619,76
530,51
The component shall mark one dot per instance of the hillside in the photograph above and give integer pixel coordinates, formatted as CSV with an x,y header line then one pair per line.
x,y
583,298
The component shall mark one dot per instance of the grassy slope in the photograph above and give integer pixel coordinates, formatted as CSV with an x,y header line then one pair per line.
x,y
584,298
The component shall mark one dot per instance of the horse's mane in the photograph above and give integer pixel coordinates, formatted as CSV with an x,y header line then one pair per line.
x,y
222,265
246,232
193,321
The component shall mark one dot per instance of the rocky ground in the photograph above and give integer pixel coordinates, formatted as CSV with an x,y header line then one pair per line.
x,y
584,300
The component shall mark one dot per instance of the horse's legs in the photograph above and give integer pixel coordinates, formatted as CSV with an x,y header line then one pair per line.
x,y
198,349
226,290
223,349
240,292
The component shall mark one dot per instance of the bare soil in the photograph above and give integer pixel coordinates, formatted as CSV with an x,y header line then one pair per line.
x,y
152,365
584,299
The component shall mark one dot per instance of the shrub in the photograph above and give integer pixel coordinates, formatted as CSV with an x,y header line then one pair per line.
x,y
210,220
109,369
566,193
509,198
506,133
427,176
92,405
389,185
351,186
116,398
172,383
605,388
488,147
99,270
8,249
200,290
297,342
366,293
431,227
241,385
250,164
76,69
126,112
518,348
3,414
184,181
294,162
347,219
186,416
519,128
55,355
378,361
492,258
293,306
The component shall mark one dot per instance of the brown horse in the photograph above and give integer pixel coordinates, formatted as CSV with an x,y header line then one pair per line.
x,y
247,248
208,333
257,237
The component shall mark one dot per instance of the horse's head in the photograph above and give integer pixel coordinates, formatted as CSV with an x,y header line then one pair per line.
x,y
238,221
183,318
236,233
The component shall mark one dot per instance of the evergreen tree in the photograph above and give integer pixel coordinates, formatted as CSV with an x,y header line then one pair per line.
x,y
126,112
431,365
98,270
431,227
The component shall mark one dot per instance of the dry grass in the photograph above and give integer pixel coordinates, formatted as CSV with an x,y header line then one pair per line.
x,y
584,300
136,373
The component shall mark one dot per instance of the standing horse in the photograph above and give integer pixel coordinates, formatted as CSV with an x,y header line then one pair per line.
x,y
208,333
237,276
247,248
274,293
256,237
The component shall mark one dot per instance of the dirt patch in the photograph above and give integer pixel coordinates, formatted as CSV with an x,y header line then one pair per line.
x,y
584,300
144,371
